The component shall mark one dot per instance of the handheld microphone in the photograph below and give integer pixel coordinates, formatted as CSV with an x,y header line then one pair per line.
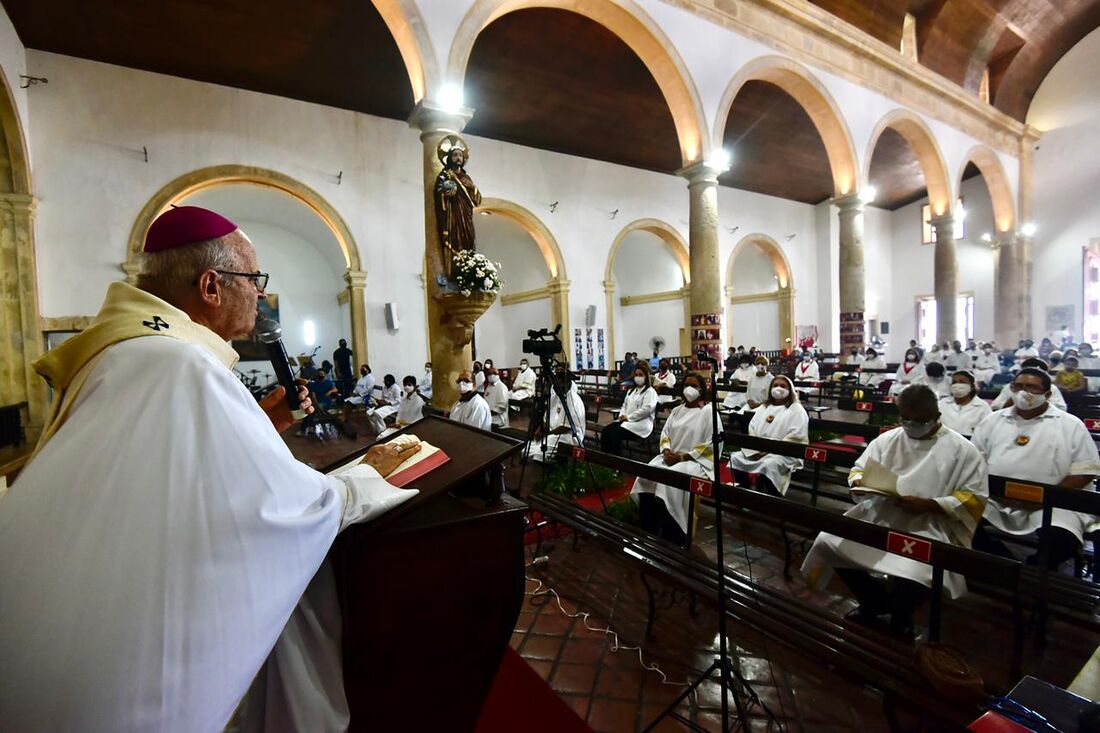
x,y
270,334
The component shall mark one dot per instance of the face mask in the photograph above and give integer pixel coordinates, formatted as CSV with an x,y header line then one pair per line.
x,y
523,367
780,393
911,358
761,371
465,387
960,390
493,379
1027,401
428,369
409,389
987,352
917,430
639,381
806,357
691,394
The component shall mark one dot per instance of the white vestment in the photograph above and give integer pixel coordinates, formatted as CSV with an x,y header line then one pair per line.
x,y
775,422
392,396
1055,445
361,393
558,419
479,382
523,386
741,374
687,430
424,386
958,359
759,386
906,374
1004,399
668,380
496,395
940,385
409,411
946,469
872,380
473,412
807,371
963,419
639,406
156,546
985,367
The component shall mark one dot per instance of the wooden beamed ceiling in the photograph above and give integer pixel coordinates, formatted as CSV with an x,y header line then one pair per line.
x,y
548,79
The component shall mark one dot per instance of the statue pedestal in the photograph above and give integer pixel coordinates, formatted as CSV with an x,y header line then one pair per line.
x,y
460,312
451,320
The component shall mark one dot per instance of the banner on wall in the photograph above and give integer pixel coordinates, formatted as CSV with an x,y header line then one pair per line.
x,y
578,348
807,336
601,354
590,351
706,336
852,330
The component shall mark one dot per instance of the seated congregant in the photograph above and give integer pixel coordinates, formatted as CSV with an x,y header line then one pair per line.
x,y
759,384
637,414
567,418
478,372
807,370
964,409
781,417
909,371
361,393
740,378
663,381
1005,398
986,364
626,371
1032,441
874,360
686,447
1069,379
941,491
410,409
935,378
424,386
497,396
523,386
470,408
390,399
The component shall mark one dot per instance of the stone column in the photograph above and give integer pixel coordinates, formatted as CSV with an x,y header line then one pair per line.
x,y
786,318
706,273
946,279
612,348
852,275
21,341
357,283
559,313
448,357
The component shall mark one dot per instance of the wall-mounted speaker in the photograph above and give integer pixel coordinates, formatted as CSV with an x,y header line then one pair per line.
x,y
884,328
590,316
391,316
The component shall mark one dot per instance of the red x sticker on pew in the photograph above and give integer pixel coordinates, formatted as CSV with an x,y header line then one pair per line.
x,y
578,453
1092,424
911,547
865,406
701,486
817,454
599,399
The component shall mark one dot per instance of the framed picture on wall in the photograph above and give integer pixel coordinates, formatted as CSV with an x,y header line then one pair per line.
x,y
251,349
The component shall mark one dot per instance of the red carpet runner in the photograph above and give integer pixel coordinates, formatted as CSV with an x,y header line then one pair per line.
x,y
520,702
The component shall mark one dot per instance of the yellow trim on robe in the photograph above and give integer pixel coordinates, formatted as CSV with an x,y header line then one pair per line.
x,y
972,503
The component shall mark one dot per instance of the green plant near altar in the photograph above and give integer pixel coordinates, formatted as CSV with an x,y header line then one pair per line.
x,y
472,272
571,479
624,510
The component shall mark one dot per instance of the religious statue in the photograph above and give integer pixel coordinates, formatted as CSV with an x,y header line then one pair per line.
x,y
456,197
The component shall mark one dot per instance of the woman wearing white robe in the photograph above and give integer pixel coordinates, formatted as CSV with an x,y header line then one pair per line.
x,y
935,378
782,417
986,365
756,392
523,386
561,431
941,483
663,381
636,416
686,447
410,409
740,377
873,361
964,410
497,395
807,370
909,371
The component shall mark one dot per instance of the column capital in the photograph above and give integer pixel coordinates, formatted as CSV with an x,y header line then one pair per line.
x,y
1006,239
19,203
429,117
943,224
609,286
700,173
356,278
556,287
848,203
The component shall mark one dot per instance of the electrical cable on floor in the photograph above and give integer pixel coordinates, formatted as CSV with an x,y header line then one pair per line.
x,y
584,616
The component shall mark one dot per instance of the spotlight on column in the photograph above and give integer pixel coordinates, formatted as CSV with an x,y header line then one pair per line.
x,y
1029,229
719,160
868,194
987,237
451,97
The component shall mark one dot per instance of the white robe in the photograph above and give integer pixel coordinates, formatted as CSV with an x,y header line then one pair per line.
x,y
156,547
807,371
941,386
959,360
523,386
639,406
946,469
669,381
759,386
410,409
1058,445
775,422
904,377
873,380
963,419
741,374
361,393
391,395
424,386
496,395
473,412
558,419
1004,399
985,367
687,430
479,382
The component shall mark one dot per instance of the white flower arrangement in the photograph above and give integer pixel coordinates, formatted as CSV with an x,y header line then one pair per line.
x,y
471,271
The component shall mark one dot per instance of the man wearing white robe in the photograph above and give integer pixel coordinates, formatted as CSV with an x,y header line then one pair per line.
x,y
686,447
523,386
1004,399
560,431
941,492
470,408
986,365
497,396
390,399
740,378
1031,441
158,542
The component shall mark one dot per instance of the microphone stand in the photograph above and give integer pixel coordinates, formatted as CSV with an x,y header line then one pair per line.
x,y
733,683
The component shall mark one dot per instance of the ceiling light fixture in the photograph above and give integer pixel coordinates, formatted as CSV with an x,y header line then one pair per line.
x,y
719,160
451,97
1029,229
868,194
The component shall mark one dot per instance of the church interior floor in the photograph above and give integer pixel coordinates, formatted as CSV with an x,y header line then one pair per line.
x,y
614,693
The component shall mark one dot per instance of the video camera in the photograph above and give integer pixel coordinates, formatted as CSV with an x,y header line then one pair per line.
x,y
543,342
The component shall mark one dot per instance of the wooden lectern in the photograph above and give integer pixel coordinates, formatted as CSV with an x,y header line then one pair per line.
x,y
431,592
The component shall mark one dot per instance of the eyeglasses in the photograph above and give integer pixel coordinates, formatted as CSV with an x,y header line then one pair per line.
x,y
1031,389
259,279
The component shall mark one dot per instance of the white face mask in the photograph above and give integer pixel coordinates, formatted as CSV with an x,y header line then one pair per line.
x,y
409,389
917,430
987,352
807,357
780,393
761,371
493,379
960,390
1026,401
911,358
465,387
428,370
523,367
691,394
639,381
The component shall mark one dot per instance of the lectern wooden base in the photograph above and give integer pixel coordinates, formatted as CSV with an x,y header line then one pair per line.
x,y
430,594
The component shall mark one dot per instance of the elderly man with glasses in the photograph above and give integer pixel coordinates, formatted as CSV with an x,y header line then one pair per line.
x,y
1034,441
157,544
